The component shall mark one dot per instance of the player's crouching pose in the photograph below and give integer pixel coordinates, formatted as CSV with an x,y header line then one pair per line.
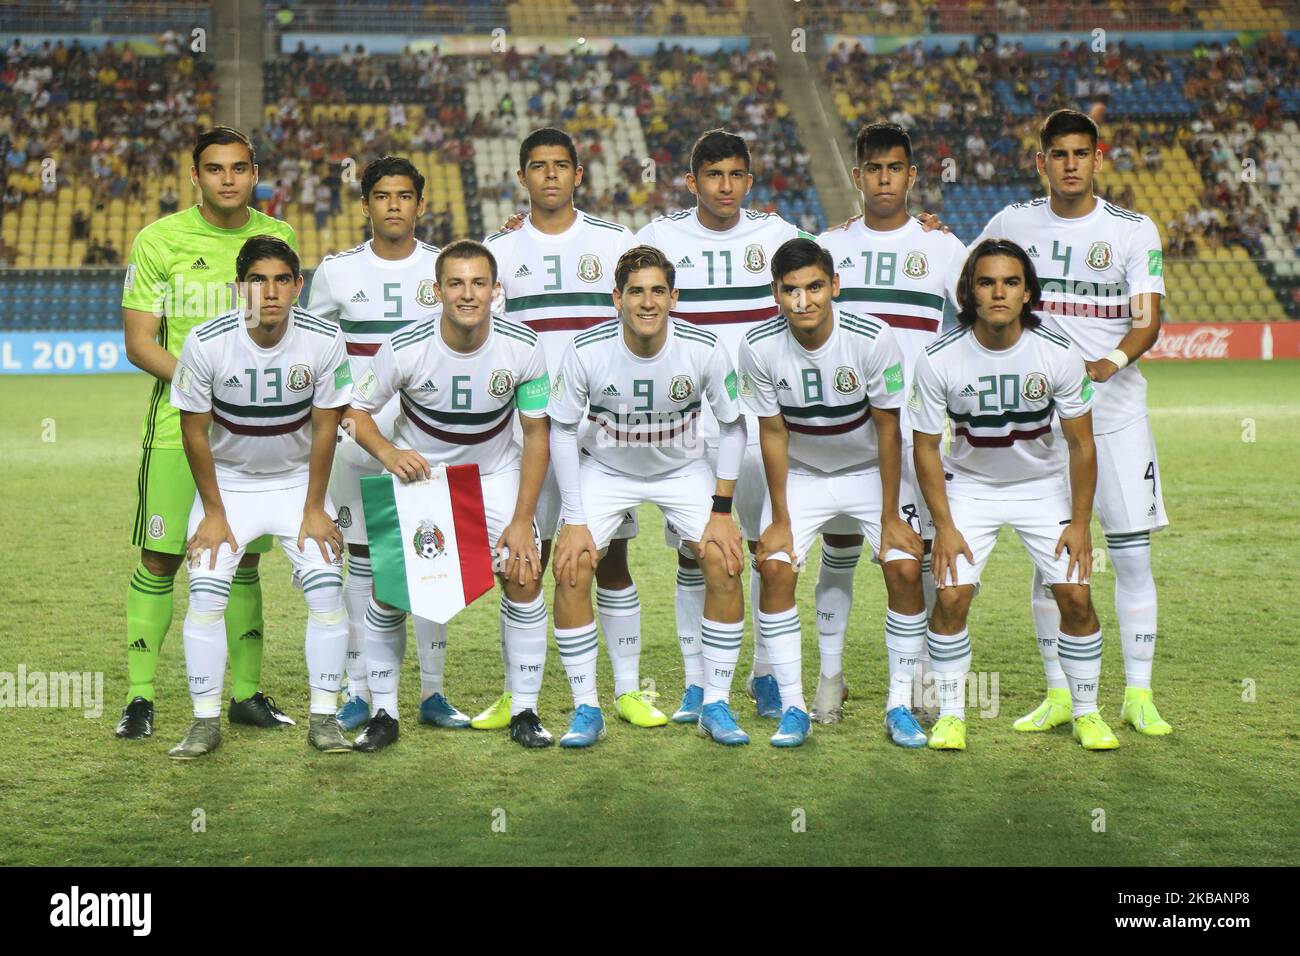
x,y
260,392
459,377
1000,377
641,380
826,386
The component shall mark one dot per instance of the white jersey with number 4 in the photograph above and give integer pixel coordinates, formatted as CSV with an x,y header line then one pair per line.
x,y
458,407
825,396
1088,268
644,411
261,399
1001,405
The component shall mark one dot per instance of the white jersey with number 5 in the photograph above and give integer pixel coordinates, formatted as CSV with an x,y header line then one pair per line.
x,y
261,399
1001,404
1088,268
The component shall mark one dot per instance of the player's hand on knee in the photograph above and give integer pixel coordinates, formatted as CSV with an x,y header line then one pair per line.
x,y
897,534
518,550
213,531
722,533
1077,539
777,538
573,541
948,544
320,527
407,465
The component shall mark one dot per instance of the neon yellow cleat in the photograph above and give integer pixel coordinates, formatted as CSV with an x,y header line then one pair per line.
x,y
636,709
1052,712
1140,713
948,734
1091,731
496,717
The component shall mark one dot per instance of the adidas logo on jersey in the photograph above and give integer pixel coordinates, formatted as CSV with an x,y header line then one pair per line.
x,y
1032,252
522,273
428,386
611,391
199,264
685,263
783,384
359,297
232,382
967,392
845,263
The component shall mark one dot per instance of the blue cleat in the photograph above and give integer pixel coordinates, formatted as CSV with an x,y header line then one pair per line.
x,y
588,727
793,729
903,728
767,696
438,711
354,712
692,701
717,722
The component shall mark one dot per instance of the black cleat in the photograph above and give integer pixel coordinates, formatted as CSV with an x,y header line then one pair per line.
x,y
527,728
137,720
379,731
258,711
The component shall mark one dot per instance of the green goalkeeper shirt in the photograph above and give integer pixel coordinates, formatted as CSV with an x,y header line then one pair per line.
x,y
183,268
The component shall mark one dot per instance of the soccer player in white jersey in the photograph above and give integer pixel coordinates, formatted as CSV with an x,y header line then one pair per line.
x,y
456,379
1103,277
260,391
642,381
373,291
1001,377
826,386
557,278
721,251
895,271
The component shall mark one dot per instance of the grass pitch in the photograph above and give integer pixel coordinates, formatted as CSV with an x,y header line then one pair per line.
x,y
1214,793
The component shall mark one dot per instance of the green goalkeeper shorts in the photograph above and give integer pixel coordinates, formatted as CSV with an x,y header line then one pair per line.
x,y
165,496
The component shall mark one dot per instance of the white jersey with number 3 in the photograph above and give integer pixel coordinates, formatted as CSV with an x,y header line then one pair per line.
x,y
1088,268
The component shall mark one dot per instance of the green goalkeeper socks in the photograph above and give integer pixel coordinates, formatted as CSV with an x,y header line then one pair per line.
x,y
148,616
244,633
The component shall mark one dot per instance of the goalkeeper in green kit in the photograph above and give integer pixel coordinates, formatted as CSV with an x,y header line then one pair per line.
x,y
182,273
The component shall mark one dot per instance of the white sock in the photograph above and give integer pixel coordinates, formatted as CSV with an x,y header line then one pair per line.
x,y
327,639
782,640
505,652
834,599
920,678
385,648
950,655
356,598
525,638
690,613
431,649
620,622
1135,604
1047,624
1081,660
904,638
762,666
721,651
578,647
205,643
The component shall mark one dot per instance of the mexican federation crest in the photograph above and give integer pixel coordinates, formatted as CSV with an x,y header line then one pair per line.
x,y
915,266
680,388
1099,256
846,380
1035,386
754,258
426,295
428,541
299,378
500,384
589,268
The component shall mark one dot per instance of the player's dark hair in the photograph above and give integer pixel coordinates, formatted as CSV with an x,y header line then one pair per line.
x,y
546,136
876,138
714,146
222,136
966,313
643,257
1065,123
377,169
795,254
265,247
466,249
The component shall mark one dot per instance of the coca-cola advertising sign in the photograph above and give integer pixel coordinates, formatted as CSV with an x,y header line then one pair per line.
x,y
1222,340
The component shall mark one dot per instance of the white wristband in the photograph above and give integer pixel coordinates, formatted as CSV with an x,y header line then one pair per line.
x,y
1119,357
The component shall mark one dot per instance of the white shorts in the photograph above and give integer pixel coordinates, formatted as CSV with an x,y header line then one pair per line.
x,y
1130,495
549,508
916,511
351,464
817,501
685,497
500,493
1038,521
252,514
